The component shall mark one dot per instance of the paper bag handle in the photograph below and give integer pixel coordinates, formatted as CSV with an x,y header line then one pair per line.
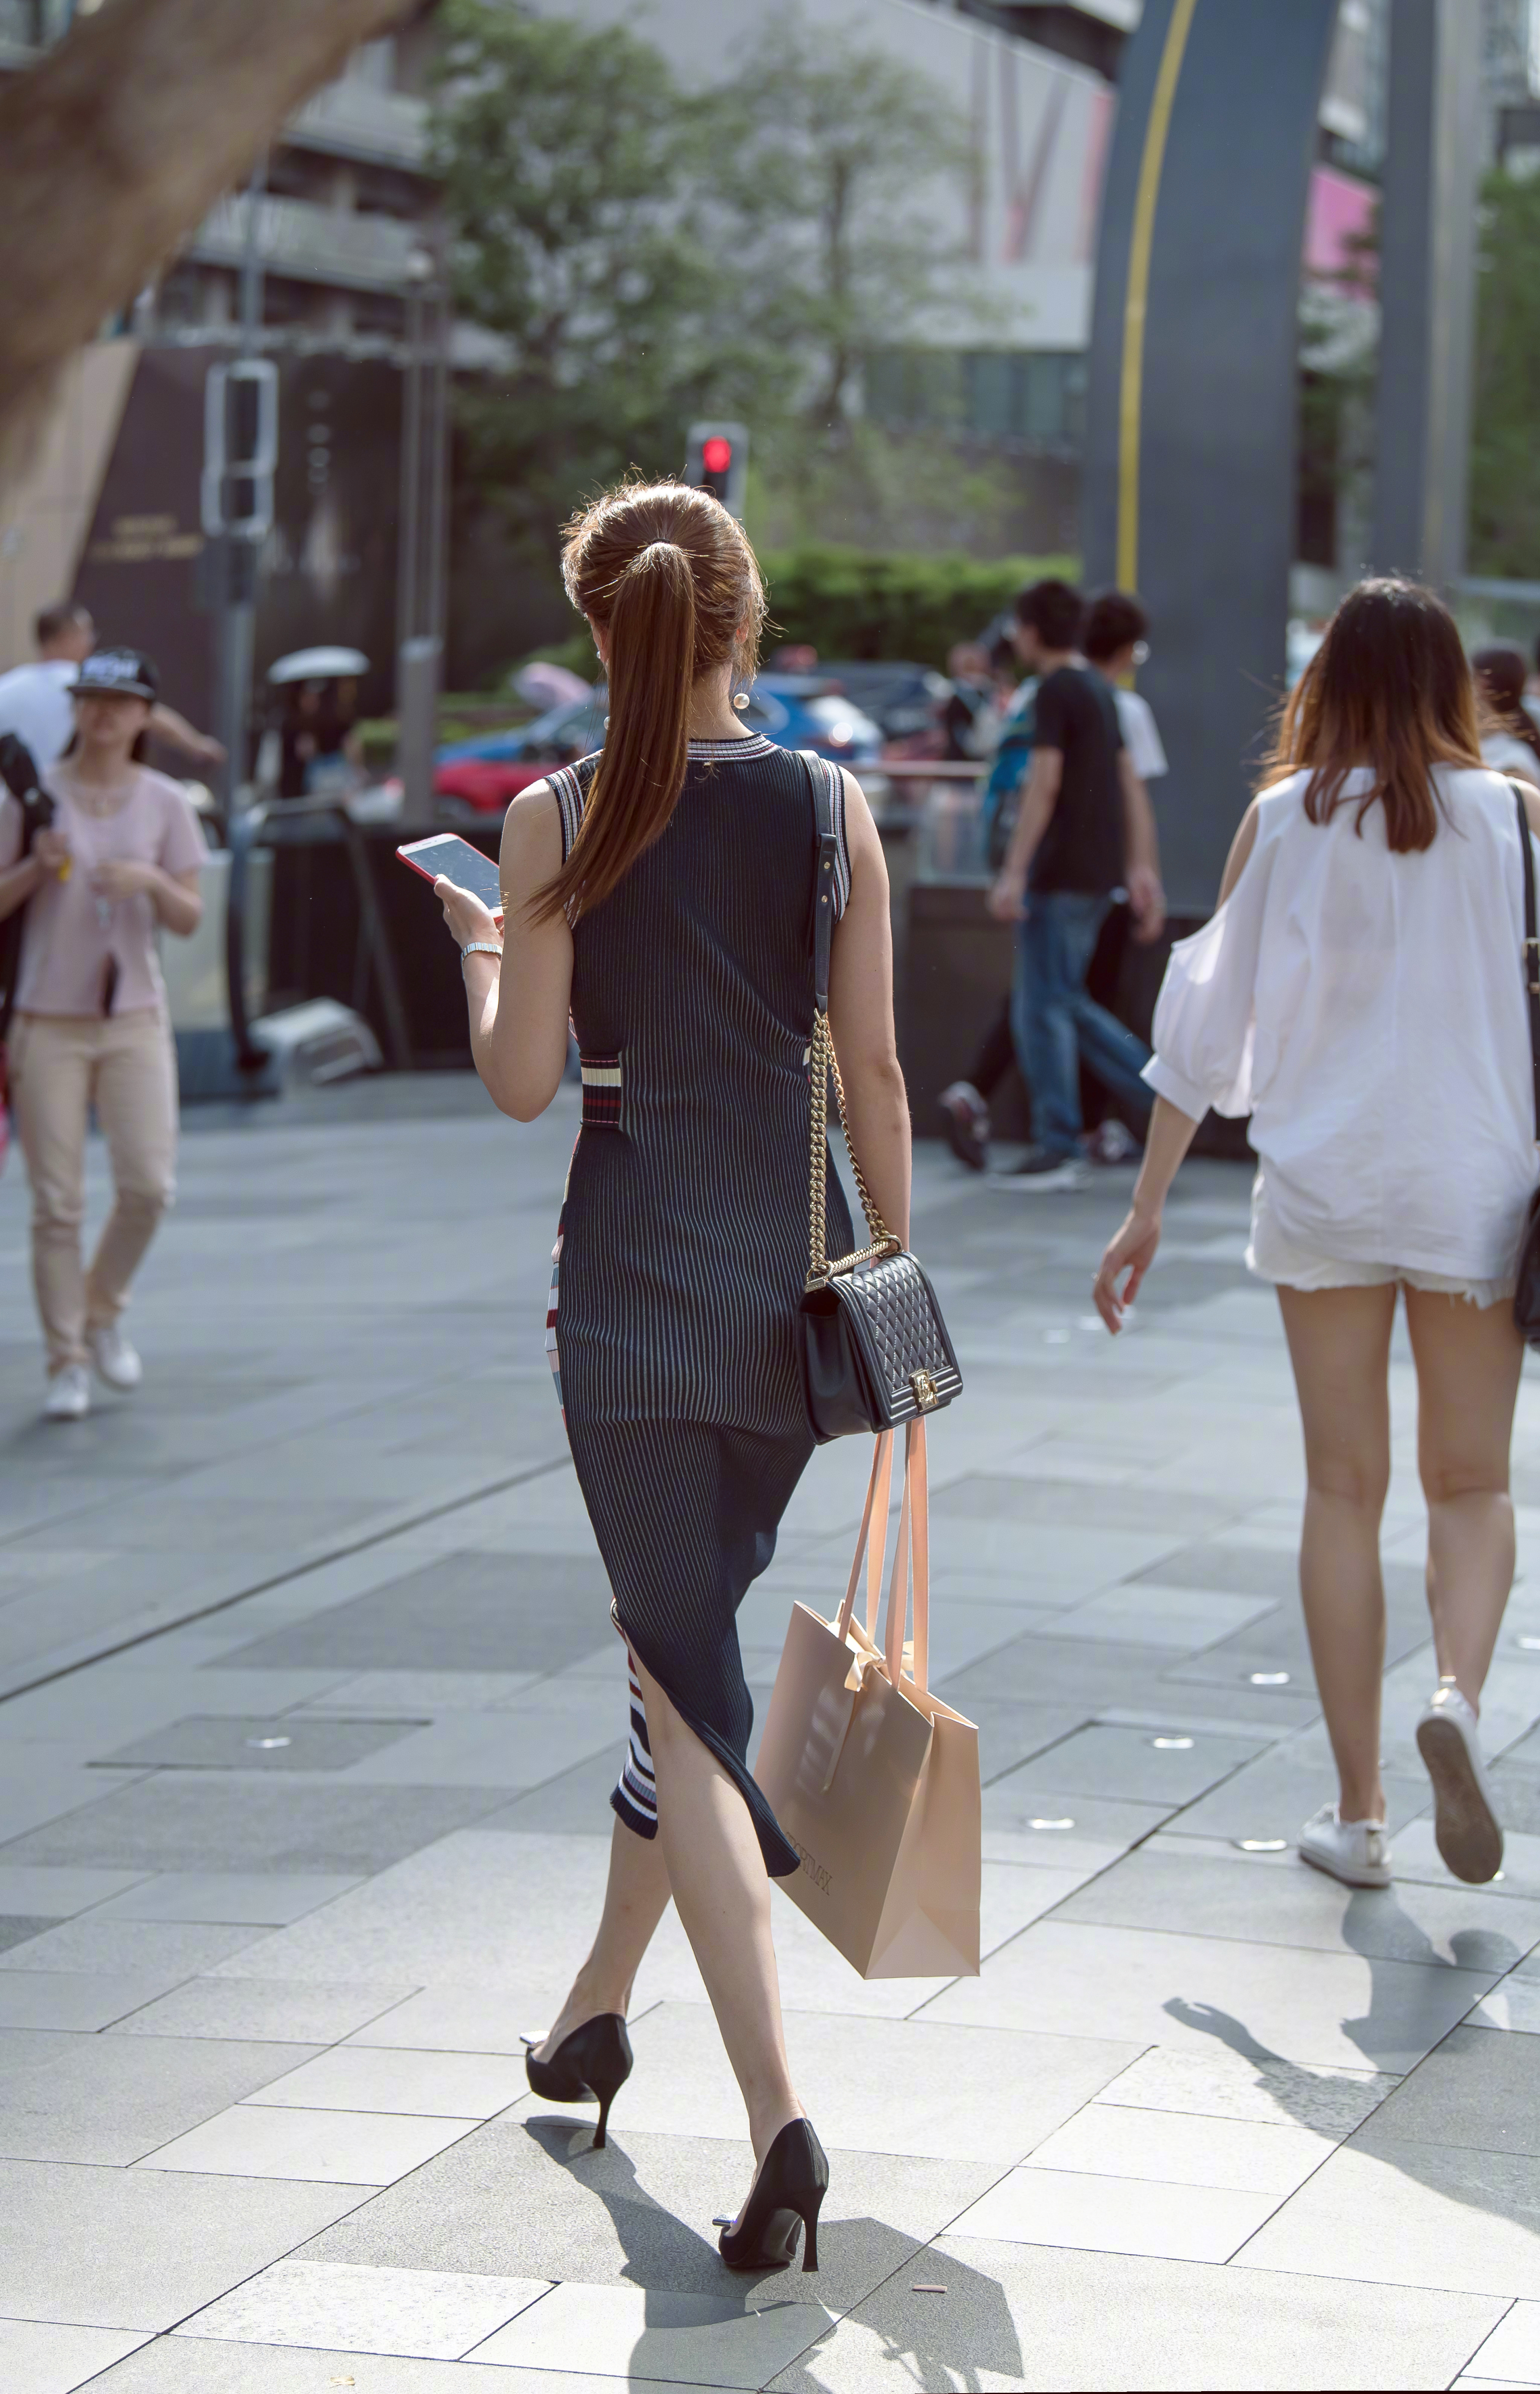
x,y
914,1540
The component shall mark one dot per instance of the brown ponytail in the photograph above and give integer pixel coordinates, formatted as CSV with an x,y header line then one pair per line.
x,y
666,573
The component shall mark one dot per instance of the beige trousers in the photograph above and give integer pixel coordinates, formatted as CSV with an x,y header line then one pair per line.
x,y
60,1066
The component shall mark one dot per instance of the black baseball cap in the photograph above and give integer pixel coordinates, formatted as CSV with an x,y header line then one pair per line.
x,y
117,673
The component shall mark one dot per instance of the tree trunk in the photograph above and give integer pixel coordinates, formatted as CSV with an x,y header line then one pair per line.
x,y
115,148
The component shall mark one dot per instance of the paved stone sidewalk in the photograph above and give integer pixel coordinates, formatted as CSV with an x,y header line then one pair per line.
x,y
310,1712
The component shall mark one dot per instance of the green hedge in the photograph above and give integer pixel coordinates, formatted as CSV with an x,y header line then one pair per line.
x,y
853,603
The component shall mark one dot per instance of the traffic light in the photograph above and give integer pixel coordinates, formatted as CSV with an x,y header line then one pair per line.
x,y
718,461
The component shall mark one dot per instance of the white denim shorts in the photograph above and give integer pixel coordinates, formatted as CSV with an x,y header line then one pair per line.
x,y
1289,1263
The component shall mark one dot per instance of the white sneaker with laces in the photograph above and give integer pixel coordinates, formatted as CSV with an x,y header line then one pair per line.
x,y
1465,1828
1357,1852
117,1361
68,1397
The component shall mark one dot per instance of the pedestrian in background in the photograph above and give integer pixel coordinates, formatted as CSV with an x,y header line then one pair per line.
x,y
1116,642
965,1103
36,699
1360,993
662,895
1084,828
122,859
1510,740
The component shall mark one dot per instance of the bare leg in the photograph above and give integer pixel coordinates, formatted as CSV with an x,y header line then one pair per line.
x,y
1469,1359
1340,1344
636,1899
720,1885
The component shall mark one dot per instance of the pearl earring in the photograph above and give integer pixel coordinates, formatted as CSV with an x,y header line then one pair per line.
x,y
741,700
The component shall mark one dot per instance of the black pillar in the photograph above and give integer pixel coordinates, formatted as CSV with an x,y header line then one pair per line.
x,y
1191,435
1427,289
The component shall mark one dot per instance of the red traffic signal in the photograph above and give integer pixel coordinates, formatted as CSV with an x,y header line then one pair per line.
x,y
717,460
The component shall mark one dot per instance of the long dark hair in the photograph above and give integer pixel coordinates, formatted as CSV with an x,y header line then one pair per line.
x,y
1501,673
137,755
668,575
1390,689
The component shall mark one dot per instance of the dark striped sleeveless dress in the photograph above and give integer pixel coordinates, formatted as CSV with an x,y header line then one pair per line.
x,y
682,1244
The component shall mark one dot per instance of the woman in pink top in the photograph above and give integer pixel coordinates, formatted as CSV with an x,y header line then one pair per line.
x,y
121,861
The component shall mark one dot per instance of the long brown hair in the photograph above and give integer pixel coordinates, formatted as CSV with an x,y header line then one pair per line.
x,y
1390,689
668,575
1501,673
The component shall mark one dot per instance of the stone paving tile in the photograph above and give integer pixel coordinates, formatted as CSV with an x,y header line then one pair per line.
x,y
527,2196
1092,1831
1145,1613
1116,2215
36,2358
1512,2350
1164,1766
258,1898
1513,2005
620,2332
1217,2084
1274,1795
1412,2214
58,1894
1014,2317
1154,1987
468,1612
425,2314
140,2248
171,1823
1235,1897
952,2094
179,2364
1475,2090
1417,1857
72,1999
338,2147
107,2101
19,1930
167,1951
425,1693
268,2011
1110,2141
219,1743
358,2078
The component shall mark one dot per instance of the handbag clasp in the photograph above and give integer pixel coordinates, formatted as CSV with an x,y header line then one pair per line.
x,y
924,1389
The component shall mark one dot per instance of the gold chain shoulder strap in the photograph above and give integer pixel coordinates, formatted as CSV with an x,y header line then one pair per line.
x,y
821,1063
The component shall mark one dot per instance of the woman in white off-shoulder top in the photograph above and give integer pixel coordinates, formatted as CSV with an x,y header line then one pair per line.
x,y
1360,995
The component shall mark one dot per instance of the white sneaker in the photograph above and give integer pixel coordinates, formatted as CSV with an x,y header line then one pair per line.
x,y
114,1359
68,1397
1465,1828
1358,1852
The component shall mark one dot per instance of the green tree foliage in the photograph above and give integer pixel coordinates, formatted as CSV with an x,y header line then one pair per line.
x,y
851,603
570,168
646,254
1505,456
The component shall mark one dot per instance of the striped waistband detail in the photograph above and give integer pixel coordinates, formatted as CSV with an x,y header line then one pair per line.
x,y
602,1085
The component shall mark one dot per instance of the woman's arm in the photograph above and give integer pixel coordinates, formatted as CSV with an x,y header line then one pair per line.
x,y
860,1016
175,896
519,1006
1171,1134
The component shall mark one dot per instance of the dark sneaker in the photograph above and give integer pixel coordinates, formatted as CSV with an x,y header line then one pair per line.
x,y
1042,1171
967,1119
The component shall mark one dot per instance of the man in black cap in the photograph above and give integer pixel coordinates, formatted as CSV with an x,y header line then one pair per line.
x,y
36,699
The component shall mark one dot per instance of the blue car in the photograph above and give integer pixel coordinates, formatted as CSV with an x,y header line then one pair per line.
x,y
474,778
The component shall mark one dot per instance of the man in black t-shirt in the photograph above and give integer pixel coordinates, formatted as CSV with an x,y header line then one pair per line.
x,y
1084,830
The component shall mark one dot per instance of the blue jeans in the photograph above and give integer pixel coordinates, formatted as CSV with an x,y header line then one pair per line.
x,y
1055,1023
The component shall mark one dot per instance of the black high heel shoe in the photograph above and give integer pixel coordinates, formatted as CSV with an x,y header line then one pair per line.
x,y
791,2184
590,2066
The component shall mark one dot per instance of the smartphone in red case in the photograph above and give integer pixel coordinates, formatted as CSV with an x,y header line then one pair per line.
x,y
463,864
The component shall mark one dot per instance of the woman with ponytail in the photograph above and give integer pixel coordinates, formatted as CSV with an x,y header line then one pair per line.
x,y
662,895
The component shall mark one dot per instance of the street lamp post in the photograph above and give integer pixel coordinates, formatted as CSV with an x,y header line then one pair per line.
x,y
422,566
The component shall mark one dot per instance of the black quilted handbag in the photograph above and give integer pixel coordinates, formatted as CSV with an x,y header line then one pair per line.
x,y
1526,1295
874,1347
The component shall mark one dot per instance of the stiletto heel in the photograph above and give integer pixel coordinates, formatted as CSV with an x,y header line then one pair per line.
x,y
790,2188
590,2066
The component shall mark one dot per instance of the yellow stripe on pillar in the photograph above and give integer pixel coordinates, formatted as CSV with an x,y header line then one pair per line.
x,y
1136,299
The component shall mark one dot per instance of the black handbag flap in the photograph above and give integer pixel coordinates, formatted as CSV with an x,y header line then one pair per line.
x,y
893,1315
